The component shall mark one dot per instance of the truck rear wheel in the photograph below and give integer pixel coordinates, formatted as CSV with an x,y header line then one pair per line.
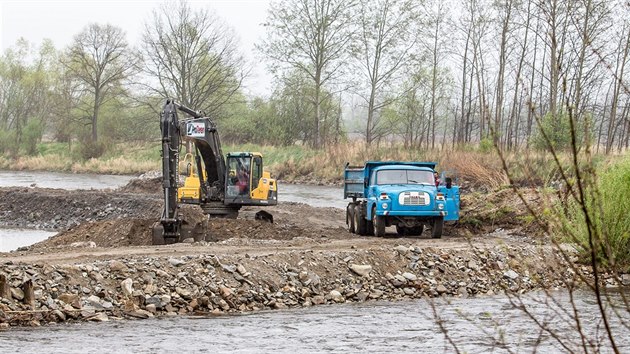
x,y
359,222
415,231
438,225
350,218
378,222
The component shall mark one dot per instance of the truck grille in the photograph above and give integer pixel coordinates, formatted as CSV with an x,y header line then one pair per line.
x,y
413,198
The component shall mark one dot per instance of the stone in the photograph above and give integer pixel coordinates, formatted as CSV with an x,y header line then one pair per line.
x,y
117,266
94,300
99,317
17,294
226,292
165,300
127,286
361,269
184,293
176,262
401,249
241,269
511,274
441,289
409,291
318,300
188,240
70,299
410,276
625,279
362,296
376,294
151,308
336,296
473,265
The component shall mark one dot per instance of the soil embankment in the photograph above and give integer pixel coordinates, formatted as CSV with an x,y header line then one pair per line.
x,y
101,265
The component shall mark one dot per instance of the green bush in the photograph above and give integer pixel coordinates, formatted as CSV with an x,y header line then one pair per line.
x,y
92,149
557,128
31,135
608,204
7,141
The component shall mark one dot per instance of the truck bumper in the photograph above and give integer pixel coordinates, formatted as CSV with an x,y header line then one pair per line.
x,y
410,213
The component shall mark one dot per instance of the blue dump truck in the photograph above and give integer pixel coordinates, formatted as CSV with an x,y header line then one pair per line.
x,y
404,194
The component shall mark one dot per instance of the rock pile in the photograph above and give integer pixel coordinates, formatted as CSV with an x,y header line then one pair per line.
x,y
147,286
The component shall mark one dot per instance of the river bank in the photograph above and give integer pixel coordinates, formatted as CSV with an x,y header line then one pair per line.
x,y
236,276
101,265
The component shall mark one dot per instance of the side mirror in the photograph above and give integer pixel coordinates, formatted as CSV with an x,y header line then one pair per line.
x,y
449,182
365,183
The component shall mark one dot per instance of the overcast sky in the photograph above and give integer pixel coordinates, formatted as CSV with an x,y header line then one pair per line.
x,y
60,20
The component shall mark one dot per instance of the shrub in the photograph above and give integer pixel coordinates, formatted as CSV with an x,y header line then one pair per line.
x,y
31,135
92,149
608,204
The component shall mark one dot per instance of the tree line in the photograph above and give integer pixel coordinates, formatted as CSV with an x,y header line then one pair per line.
x,y
426,74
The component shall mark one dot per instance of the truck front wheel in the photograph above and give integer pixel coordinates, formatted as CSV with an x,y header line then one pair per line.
x,y
438,225
379,224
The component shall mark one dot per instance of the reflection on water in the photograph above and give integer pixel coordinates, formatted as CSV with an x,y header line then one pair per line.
x,y
12,239
476,325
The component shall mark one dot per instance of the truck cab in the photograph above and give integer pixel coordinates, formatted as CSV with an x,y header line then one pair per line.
x,y
402,194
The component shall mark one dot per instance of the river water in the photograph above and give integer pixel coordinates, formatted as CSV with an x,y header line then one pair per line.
x,y
474,325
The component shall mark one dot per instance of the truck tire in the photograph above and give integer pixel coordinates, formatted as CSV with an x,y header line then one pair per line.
x,y
438,225
415,231
401,230
350,218
359,222
378,223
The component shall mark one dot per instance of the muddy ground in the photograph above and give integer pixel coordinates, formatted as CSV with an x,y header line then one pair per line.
x,y
102,264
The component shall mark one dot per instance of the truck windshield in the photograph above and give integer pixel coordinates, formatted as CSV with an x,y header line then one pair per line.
x,y
405,177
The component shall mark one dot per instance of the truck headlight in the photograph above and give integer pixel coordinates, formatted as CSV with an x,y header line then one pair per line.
x,y
440,206
384,205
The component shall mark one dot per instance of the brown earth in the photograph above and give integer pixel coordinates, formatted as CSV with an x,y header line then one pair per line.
x,y
124,217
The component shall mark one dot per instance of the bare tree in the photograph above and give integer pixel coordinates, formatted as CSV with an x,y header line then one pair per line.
x,y
99,59
385,38
312,37
191,56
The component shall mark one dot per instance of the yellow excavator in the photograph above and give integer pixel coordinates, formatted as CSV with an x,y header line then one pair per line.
x,y
219,185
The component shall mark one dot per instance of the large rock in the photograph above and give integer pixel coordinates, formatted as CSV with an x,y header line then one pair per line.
x,y
361,269
409,276
511,274
336,296
117,266
71,299
127,286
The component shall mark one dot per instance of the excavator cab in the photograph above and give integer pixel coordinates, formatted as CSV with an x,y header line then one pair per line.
x,y
246,181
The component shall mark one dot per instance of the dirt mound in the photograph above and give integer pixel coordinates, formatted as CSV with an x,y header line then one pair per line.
x,y
57,209
110,233
143,185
